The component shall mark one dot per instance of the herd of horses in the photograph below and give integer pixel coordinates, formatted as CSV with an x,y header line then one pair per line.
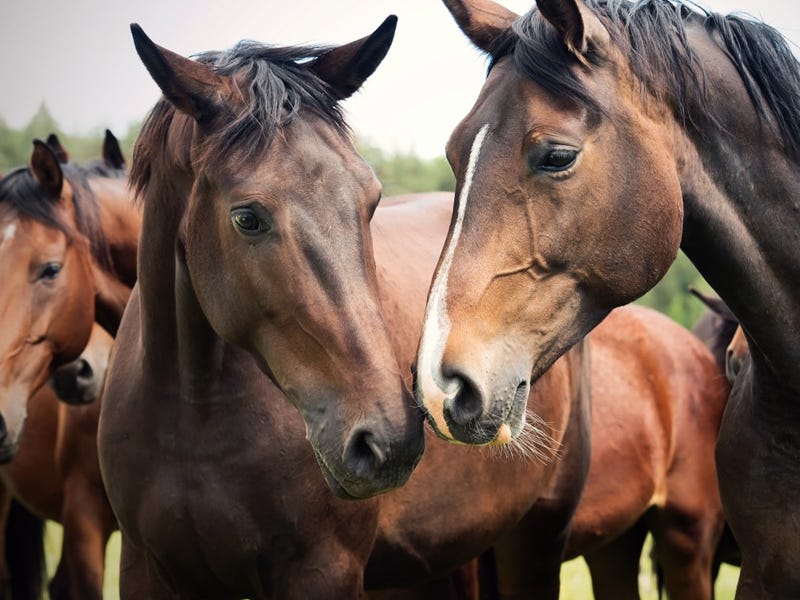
x,y
292,353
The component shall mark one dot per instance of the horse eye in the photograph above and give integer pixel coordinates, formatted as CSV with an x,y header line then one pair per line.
x,y
559,159
247,221
50,271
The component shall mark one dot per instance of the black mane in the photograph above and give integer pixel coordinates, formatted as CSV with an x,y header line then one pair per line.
x,y
653,33
20,191
277,84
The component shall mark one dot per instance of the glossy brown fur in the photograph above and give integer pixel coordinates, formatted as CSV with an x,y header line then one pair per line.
x,y
657,402
615,133
55,474
304,542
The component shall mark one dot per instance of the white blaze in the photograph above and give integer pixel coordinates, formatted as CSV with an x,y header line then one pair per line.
x,y
8,234
436,327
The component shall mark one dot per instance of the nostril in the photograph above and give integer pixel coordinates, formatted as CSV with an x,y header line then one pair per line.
x,y
3,430
466,404
364,455
85,370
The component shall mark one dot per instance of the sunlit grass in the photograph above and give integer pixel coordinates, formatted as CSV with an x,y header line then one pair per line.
x,y
575,581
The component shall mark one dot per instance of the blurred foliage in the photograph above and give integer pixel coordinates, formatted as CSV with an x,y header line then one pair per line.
x,y
399,172
16,144
405,173
671,295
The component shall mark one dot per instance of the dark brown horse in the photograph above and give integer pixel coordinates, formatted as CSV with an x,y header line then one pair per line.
x,y
606,136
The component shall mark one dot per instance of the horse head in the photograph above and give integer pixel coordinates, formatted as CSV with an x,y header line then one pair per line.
x,y
274,251
47,298
552,228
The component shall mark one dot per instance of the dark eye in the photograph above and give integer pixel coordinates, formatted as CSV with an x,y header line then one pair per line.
x,y
248,222
558,159
50,271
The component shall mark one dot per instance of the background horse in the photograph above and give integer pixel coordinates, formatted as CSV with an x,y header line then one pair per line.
x,y
77,241
606,136
55,475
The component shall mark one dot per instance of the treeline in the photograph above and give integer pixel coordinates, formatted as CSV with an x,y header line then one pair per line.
x,y
399,173
16,144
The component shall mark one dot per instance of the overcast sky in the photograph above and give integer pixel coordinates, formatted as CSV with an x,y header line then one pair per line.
x,y
78,57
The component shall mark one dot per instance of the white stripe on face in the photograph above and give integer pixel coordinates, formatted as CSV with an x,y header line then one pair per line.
x,y
8,234
432,391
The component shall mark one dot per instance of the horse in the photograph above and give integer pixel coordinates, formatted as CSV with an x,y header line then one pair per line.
x,y
55,475
60,273
72,230
606,136
257,296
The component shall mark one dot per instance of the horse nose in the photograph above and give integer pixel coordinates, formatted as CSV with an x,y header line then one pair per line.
x,y
69,382
465,404
365,453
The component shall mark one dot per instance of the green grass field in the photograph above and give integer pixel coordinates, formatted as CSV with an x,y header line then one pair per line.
x,y
575,581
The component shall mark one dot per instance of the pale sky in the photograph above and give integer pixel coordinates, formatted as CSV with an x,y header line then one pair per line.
x,y
78,57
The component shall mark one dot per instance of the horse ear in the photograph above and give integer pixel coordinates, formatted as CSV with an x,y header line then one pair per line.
x,y
482,21
346,68
45,168
190,86
578,25
717,305
112,153
55,145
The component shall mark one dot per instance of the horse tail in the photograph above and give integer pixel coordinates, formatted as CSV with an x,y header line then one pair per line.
x,y
24,547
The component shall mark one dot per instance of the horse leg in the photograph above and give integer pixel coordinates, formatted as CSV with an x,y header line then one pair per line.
x,y
614,567
137,576
88,523
685,543
528,558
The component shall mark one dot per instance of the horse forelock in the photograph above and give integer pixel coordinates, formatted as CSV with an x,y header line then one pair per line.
x,y
652,34
22,194
276,84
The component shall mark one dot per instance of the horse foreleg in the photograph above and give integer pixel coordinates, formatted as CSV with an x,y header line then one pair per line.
x,y
528,558
88,523
685,543
615,566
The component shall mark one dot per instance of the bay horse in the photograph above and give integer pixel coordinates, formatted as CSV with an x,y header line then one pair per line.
x,y
59,272
73,230
607,135
55,475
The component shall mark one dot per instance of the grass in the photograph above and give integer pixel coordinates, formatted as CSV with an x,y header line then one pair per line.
x,y
575,581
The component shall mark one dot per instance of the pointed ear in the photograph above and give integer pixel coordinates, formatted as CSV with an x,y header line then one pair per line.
x,y
717,305
55,145
578,25
482,21
346,68
190,86
45,168
112,153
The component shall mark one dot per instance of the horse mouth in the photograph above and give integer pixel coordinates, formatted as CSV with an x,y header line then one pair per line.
x,y
7,453
330,479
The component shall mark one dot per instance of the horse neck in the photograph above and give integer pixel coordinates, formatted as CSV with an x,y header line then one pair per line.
x,y
121,222
742,221
179,343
